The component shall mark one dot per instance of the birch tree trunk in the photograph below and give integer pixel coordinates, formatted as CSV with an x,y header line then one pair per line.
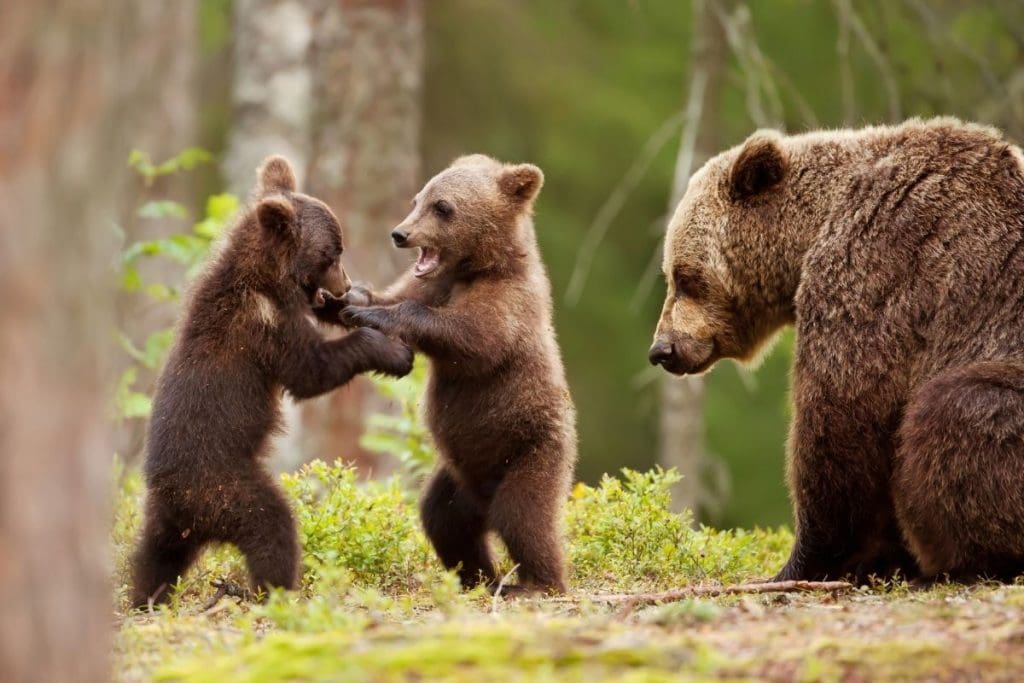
x,y
681,421
62,154
368,71
272,92
334,85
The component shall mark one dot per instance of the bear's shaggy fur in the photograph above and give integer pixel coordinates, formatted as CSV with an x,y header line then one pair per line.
x,y
898,253
246,335
478,304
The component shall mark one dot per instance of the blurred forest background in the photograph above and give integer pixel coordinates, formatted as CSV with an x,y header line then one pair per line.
x,y
618,102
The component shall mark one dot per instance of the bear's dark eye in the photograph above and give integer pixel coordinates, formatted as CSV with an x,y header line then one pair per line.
x,y
689,284
443,208
328,260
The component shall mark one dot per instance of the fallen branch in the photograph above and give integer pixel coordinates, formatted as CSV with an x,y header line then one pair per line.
x,y
224,588
633,599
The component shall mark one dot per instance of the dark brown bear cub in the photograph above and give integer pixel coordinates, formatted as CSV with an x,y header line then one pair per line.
x,y
477,302
245,337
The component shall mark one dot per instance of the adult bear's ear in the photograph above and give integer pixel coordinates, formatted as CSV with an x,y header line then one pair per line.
x,y
277,218
276,175
760,165
521,182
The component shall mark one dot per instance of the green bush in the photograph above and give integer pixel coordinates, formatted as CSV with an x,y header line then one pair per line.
x,y
356,535
370,529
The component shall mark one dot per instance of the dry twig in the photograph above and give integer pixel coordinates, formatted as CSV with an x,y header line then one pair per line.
x,y
633,599
225,588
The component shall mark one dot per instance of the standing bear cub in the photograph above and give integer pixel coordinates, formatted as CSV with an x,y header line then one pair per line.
x,y
246,336
477,302
898,253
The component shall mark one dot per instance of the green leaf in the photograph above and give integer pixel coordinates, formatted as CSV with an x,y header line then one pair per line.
x,y
160,292
162,208
134,404
157,345
220,210
191,157
131,280
129,403
141,163
129,346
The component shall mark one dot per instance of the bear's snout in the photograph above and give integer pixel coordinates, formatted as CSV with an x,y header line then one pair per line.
x,y
683,355
399,237
661,352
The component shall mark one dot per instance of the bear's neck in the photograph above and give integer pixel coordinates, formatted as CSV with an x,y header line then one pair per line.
x,y
247,264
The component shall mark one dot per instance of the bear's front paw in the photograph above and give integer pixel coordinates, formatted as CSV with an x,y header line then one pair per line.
x,y
396,359
358,295
326,307
365,316
386,355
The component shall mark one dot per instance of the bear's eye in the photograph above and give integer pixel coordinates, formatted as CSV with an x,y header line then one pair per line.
x,y
443,208
691,285
328,260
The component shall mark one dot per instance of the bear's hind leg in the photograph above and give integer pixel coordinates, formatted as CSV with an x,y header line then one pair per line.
x,y
527,514
165,551
456,527
261,525
959,475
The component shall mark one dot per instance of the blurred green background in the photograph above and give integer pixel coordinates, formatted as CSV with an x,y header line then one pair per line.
x,y
579,88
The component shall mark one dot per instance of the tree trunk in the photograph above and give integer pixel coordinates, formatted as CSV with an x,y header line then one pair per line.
x,y
272,102
62,156
334,85
367,64
272,94
681,423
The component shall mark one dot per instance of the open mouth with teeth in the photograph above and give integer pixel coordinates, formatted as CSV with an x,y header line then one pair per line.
x,y
427,262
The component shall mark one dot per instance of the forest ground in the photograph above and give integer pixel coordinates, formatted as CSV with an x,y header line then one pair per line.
x,y
375,607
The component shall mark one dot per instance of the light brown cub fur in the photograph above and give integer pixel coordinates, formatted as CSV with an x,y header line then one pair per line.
x,y
478,304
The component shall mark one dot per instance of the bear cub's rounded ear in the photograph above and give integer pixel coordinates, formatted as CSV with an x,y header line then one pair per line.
x,y
276,175
761,164
521,182
277,217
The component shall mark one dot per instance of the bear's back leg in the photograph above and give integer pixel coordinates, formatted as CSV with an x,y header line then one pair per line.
x,y
959,478
257,520
526,512
165,551
455,525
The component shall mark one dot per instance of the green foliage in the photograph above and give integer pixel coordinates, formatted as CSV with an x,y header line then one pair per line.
x,y
623,533
402,436
189,249
366,536
623,529
370,529
186,160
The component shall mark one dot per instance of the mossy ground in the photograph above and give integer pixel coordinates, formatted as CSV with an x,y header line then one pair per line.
x,y
375,606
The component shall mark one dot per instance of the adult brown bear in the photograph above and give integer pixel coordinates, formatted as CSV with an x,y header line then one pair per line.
x,y
898,254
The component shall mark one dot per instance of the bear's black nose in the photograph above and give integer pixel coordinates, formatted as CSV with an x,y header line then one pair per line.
x,y
399,237
661,351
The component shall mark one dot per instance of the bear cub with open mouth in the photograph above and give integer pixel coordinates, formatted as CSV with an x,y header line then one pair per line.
x,y
477,302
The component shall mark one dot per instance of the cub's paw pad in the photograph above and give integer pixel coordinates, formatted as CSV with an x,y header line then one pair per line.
x,y
357,296
320,298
